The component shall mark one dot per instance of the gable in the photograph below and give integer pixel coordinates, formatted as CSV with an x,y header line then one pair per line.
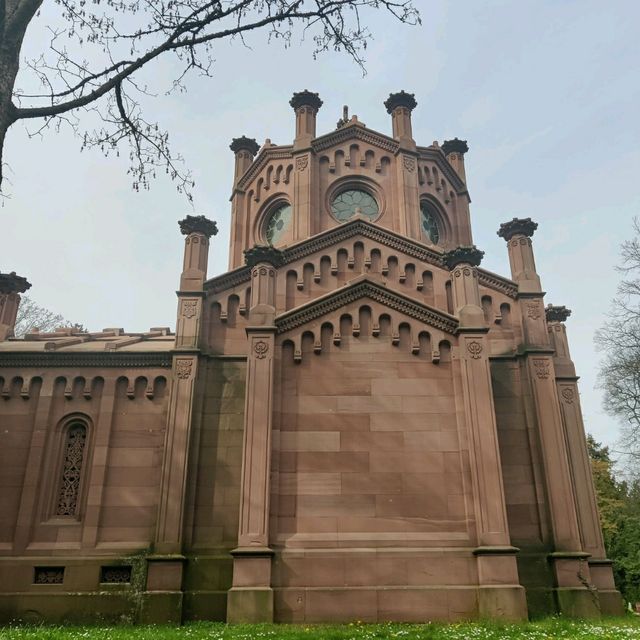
x,y
363,229
364,288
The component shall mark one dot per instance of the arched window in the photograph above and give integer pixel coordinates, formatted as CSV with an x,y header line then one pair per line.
x,y
73,453
429,223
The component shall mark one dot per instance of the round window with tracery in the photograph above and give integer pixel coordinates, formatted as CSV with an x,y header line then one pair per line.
x,y
348,204
279,225
428,223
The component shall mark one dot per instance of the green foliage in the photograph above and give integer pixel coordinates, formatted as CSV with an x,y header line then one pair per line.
x,y
549,629
619,506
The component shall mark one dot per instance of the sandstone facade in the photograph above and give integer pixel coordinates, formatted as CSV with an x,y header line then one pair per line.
x,y
356,421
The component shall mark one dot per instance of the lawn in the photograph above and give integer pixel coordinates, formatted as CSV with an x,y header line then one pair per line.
x,y
549,629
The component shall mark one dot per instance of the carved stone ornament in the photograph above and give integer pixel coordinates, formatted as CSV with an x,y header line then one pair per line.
x,y
474,348
400,99
533,310
302,163
455,146
69,491
184,368
305,98
541,368
409,163
263,253
244,144
189,308
198,224
12,283
462,255
568,395
557,314
517,226
260,348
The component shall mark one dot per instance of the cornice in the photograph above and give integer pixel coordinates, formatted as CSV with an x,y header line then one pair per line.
x,y
368,230
124,360
357,132
365,289
260,162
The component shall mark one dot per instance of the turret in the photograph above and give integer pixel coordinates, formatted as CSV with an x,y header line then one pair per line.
x,y
245,150
463,263
306,105
11,286
454,150
518,233
400,105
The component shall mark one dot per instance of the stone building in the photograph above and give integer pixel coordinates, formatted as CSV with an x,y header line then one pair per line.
x,y
356,421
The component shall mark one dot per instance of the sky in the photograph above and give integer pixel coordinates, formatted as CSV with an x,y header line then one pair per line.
x,y
546,92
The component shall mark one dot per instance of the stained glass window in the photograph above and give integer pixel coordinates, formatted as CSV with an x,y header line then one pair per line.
x,y
354,202
428,223
279,225
68,494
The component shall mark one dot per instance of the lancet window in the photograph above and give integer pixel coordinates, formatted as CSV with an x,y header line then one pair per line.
x,y
74,453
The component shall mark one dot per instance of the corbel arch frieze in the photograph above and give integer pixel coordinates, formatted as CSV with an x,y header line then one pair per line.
x,y
374,293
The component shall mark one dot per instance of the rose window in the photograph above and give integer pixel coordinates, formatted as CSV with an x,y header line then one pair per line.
x,y
279,225
349,204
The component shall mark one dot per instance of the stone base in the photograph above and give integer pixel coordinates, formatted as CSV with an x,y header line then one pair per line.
x,y
249,605
161,608
575,602
611,603
502,603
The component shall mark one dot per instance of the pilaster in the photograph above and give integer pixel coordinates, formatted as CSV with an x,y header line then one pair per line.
x,y
573,582
500,592
251,597
171,510
590,529
244,150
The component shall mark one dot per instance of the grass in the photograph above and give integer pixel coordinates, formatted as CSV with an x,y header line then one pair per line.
x,y
548,629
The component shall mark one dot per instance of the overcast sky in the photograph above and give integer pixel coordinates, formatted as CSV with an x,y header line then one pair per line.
x,y
547,94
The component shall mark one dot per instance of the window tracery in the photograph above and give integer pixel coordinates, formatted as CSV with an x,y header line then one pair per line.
x,y
428,223
73,457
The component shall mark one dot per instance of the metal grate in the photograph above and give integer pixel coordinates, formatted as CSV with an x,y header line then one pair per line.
x,y
115,575
48,575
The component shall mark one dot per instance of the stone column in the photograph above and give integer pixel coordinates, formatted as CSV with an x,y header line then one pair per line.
x,y
306,105
11,286
251,596
165,567
399,106
571,570
245,150
500,592
600,567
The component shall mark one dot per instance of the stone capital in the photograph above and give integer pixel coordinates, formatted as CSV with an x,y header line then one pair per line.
x,y
263,253
557,313
198,224
305,98
12,283
400,99
455,146
517,226
244,144
470,255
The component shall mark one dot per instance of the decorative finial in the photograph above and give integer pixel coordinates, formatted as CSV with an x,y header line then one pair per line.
x,y
198,224
517,226
401,99
12,283
263,253
244,144
455,146
557,313
465,254
345,117
305,98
